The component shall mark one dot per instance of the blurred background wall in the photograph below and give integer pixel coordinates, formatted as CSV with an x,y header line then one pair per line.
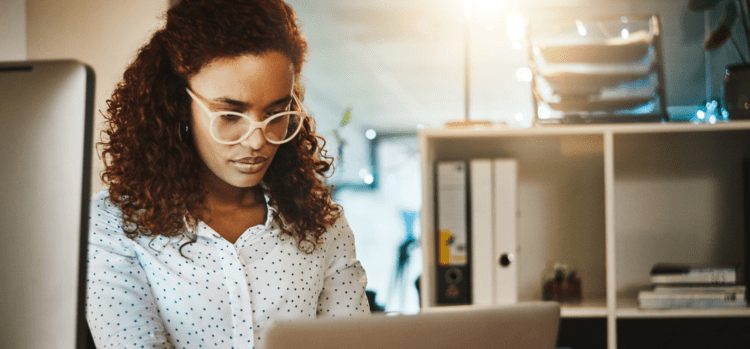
x,y
12,30
103,34
390,66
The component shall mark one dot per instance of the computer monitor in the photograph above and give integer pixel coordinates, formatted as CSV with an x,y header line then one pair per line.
x,y
46,110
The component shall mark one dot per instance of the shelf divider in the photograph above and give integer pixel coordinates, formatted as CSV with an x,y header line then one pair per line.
x,y
609,224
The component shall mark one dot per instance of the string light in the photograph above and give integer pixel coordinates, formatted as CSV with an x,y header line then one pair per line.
x,y
516,27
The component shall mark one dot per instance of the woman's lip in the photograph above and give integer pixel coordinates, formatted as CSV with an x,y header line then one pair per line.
x,y
250,160
248,167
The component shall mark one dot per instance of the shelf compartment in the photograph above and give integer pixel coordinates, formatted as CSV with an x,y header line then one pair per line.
x,y
677,199
561,202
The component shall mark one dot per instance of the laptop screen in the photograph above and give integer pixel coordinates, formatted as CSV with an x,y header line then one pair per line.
x,y
531,325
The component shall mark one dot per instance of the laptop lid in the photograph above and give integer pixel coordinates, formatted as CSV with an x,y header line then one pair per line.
x,y
46,110
532,325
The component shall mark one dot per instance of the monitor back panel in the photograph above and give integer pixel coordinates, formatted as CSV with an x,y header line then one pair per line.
x,y
45,161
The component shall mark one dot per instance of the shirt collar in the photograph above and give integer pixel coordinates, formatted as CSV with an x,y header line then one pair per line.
x,y
271,212
203,230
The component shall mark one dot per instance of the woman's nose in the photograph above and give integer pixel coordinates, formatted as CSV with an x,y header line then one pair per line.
x,y
255,140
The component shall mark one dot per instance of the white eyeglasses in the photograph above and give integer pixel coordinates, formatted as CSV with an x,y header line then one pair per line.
x,y
228,127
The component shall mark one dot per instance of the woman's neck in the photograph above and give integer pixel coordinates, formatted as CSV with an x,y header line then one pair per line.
x,y
222,196
230,210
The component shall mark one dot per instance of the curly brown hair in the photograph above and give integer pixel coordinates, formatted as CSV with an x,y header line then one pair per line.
x,y
152,171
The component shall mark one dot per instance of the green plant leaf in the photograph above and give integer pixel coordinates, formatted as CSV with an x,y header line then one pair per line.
x,y
347,117
717,38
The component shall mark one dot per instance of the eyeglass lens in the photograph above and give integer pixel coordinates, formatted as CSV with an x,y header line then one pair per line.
x,y
230,127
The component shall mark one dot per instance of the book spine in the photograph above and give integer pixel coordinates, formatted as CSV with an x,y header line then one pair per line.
x,y
691,303
698,289
726,296
699,276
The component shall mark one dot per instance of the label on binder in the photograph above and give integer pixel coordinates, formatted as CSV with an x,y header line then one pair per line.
x,y
451,251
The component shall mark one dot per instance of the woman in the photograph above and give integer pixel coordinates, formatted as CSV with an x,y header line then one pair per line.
x,y
216,222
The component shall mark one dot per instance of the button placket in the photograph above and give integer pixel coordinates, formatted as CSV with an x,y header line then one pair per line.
x,y
234,280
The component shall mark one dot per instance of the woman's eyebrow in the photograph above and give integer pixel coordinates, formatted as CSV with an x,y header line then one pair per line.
x,y
232,102
235,103
282,101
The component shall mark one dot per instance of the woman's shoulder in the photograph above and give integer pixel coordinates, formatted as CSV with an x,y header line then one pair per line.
x,y
339,233
339,247
105,226
105,218
100,203
340,224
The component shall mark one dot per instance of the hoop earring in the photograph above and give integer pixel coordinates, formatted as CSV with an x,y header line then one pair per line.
x,y
183,131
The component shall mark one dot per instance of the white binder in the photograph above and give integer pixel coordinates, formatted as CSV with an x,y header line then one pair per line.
x,y
482,231
494,202
506,242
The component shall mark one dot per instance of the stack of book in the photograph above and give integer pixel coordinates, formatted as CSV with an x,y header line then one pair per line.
x,y
686,286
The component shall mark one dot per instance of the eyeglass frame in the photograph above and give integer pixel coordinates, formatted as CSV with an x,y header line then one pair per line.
x,y
254,125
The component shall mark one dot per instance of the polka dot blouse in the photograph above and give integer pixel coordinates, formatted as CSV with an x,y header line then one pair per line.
x,y
143,294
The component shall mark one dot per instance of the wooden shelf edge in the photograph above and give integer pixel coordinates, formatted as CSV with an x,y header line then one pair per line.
x,y
582,129
593,312
587,309
634,313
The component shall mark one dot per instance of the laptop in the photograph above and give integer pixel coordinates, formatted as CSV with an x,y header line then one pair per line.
x,y
526,325
46,110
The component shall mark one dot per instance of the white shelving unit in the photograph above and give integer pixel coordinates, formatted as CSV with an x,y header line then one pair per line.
x,y
610,200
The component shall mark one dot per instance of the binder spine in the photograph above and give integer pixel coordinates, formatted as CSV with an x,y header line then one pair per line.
x,y
482,232
453,267
506,243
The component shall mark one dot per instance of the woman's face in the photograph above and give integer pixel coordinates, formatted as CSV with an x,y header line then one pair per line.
x,y
257,86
